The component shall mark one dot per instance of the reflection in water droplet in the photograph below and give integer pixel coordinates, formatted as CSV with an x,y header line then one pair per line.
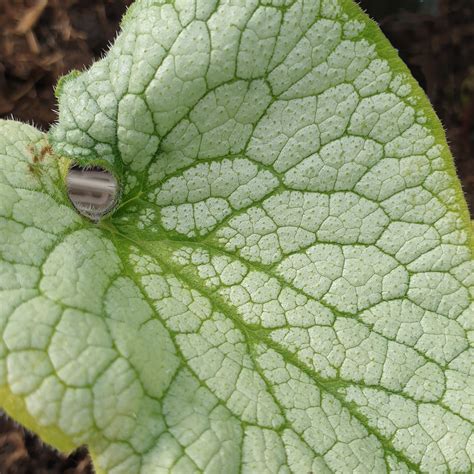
x,y
93,191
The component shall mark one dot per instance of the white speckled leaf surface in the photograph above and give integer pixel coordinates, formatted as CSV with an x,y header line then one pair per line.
x,y
286,284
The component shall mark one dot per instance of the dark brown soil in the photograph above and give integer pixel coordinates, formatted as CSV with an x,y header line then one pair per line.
x,y
41,40
23,453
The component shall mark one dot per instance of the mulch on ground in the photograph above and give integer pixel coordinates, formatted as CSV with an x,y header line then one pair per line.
x,y
40,40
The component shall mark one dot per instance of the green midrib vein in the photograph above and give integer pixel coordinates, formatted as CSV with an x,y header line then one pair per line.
x,y
329,386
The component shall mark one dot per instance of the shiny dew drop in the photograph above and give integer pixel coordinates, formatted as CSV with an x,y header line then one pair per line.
x,y
93,191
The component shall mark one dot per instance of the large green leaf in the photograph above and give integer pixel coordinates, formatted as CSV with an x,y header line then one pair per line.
x,y
286,283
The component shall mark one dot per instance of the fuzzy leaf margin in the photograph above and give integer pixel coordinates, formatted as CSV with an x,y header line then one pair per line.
x,y
286,284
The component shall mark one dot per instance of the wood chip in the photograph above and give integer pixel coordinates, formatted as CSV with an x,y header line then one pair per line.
x,y
31,17
32,42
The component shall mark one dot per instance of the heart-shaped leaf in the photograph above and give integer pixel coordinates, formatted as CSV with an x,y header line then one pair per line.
x,y
285,282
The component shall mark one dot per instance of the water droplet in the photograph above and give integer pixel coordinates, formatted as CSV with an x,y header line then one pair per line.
x,y
93,191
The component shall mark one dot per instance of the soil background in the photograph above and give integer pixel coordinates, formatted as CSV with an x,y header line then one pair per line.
x,y
40,40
